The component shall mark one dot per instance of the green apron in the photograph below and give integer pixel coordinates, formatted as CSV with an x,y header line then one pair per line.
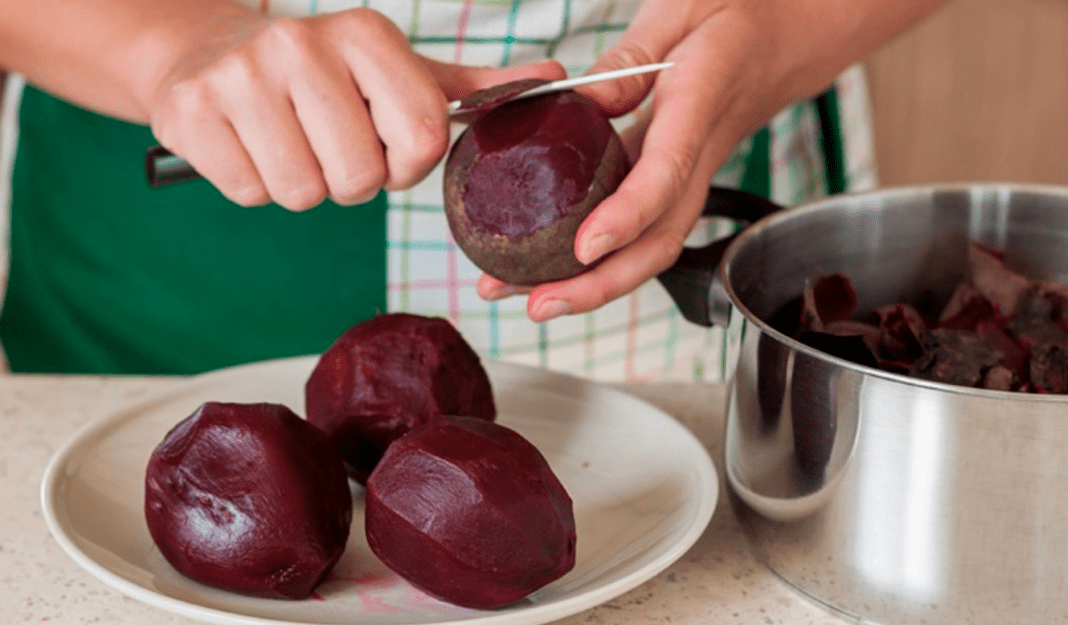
x,y
110,276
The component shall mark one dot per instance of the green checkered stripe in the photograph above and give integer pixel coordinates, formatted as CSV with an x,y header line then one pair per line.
x,y
638,337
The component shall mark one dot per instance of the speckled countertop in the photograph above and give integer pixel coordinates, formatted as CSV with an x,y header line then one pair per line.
x,y
717,581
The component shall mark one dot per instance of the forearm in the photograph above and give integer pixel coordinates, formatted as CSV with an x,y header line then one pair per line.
x,y
110,55
816,39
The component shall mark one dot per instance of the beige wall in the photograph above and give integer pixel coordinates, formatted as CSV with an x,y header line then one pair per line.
x,y
977,92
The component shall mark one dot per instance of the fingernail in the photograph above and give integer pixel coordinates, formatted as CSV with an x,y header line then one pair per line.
x,y
550,309
597,247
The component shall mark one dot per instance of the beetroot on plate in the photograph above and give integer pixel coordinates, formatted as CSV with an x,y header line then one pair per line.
x,y
470,512
522,178
386,375
249,498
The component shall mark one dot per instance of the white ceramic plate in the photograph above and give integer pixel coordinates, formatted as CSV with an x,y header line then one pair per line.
x,y
643,488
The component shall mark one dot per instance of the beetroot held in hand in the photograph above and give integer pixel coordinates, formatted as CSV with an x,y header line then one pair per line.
x,y
386,375
521,179
470,511
249,498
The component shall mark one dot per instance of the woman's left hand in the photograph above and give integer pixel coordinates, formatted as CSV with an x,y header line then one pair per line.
x,y
695,121
736,63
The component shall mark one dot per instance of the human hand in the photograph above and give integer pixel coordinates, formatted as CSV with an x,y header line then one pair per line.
x,y
737,63
693,125
298,109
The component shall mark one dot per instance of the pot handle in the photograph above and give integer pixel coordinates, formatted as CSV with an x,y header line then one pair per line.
x,y
692,281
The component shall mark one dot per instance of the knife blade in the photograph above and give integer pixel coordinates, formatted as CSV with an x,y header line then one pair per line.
x,y
490,97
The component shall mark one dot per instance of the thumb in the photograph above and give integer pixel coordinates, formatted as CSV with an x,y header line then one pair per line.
x,y
460,81
649,39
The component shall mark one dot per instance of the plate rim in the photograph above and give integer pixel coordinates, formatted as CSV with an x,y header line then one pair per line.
x,y
74,448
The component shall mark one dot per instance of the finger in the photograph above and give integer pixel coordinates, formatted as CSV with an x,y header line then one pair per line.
x,y
223,161
617,275
405,103
653,185
338,127
628,268
460,81
688,118
264,119
649,39
217,153
490,288
633,134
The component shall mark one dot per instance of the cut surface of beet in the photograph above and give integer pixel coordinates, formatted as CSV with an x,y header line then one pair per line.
x,y
522,178
536,159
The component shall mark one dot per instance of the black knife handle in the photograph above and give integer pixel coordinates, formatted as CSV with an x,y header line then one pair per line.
x,y
163,168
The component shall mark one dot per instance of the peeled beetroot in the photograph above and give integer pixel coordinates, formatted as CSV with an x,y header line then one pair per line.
x,y
521,179
249,498
386,375
470,512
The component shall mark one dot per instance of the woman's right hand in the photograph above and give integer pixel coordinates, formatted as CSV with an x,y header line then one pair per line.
x,y
294,110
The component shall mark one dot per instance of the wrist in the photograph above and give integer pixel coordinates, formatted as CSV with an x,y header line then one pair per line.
x,y
176,40
816,40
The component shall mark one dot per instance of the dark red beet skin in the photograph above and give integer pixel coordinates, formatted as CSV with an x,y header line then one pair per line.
x,y
249,498
485,99
470,512
388,374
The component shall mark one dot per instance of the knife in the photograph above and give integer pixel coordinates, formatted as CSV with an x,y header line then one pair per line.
x,y
484,99
163,167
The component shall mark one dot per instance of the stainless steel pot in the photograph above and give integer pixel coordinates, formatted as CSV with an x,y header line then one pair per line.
x,y
885,497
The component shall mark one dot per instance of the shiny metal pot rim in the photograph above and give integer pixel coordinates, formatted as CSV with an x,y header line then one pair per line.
x,y
835,203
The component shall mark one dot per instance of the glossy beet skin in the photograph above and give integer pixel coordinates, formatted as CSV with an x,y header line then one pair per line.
x,y
388,374
249,498
485,99
470,512
521,179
